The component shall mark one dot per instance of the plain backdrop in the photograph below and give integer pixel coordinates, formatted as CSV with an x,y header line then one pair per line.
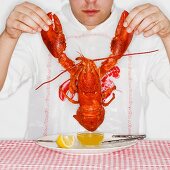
x,y
13,111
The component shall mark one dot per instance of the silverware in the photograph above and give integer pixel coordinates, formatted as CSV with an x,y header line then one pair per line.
x,y
121,138
124,138
130,136
40,140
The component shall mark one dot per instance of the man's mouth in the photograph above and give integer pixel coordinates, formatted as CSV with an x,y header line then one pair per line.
x,y
90,12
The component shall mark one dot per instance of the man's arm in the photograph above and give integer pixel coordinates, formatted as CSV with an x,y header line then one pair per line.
x,y
149,20
7,46
166,42
27,18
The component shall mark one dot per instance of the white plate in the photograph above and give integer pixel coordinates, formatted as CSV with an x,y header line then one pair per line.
x,y
104,148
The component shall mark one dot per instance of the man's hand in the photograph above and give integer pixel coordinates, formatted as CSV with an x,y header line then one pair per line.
x,y
26,17
149,20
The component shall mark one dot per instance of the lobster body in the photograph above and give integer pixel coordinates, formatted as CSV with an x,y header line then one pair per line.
x,y
85,78
91,112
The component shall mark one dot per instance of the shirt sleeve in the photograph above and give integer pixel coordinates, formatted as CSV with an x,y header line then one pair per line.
x,y
21,67
160,70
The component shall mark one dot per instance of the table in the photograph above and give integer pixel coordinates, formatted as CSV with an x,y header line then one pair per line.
x,y
27,155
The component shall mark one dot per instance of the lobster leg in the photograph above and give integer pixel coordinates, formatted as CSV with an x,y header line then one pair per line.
x,y
71,100
63,89
106,104
107,93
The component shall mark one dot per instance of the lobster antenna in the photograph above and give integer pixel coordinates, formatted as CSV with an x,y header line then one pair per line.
x,y
81,54
118,90
49,81
139,53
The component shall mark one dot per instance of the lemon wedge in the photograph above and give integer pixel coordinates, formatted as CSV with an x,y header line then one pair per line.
x,y
65,141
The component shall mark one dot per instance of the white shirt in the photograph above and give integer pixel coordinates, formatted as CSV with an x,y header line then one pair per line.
x,y
48,115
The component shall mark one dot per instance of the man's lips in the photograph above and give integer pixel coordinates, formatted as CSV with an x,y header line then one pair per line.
x,y
90,12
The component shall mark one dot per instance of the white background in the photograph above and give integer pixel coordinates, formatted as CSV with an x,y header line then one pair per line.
x,y
13,111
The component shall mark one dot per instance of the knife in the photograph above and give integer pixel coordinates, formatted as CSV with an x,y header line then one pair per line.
x,y
125,138
129,136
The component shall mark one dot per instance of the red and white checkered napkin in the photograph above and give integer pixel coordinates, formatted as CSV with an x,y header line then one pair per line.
x,y
26,155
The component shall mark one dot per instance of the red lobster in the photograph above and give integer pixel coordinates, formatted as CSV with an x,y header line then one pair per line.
x,y
85,77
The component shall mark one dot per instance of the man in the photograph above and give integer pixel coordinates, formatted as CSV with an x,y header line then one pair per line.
x,y
89,26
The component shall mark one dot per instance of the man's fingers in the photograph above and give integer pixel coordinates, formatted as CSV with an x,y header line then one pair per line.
x,y
149,27
25,19
148,23
142,15
24,28
39,12
154,30
34,16
133,13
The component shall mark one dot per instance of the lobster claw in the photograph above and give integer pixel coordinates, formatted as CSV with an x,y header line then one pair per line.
x,y
122,38
63,89
54,38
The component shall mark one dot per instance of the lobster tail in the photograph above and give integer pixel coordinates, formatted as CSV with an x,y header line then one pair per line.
x,y
90,119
